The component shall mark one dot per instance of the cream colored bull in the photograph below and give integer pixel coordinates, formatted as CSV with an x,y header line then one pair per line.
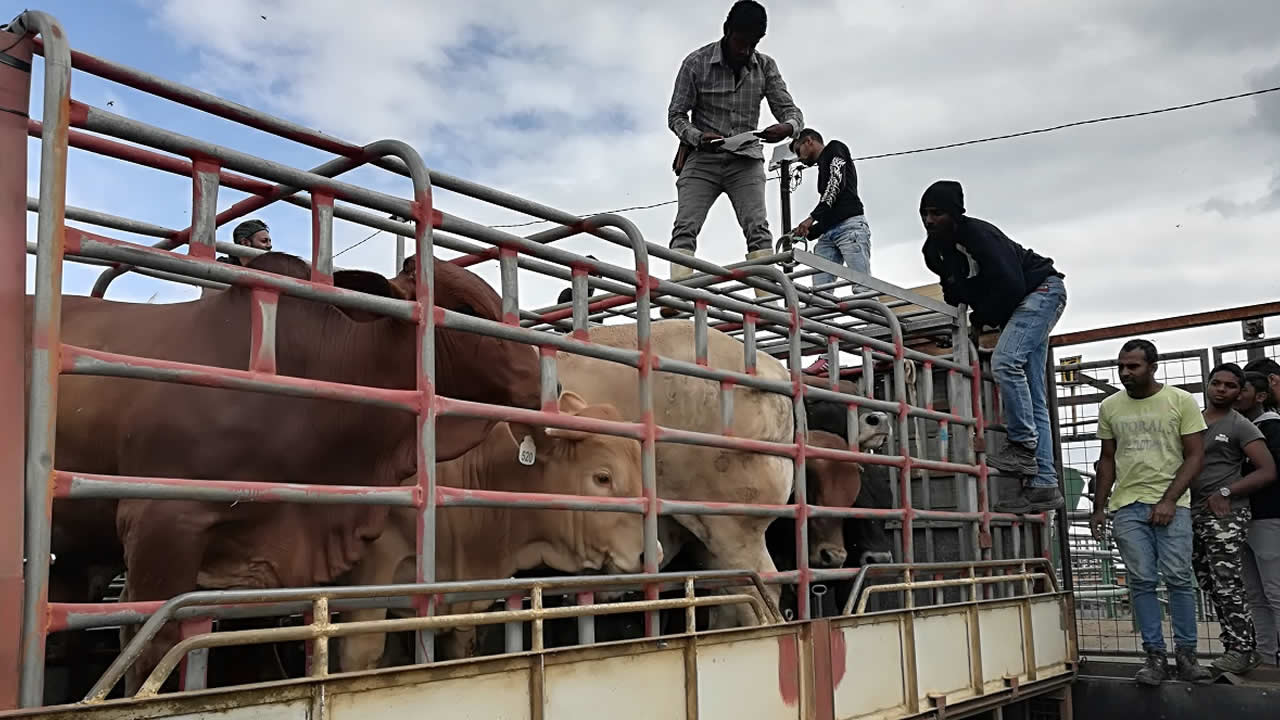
x,y
482,543
688,472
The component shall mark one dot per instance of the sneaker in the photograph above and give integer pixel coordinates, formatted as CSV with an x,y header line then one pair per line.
x,y
1031,500
1015,459
1189,669
1238,662
817,367
1155,670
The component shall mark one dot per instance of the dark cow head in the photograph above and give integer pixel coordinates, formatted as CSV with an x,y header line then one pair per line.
x,y
865,538
829,483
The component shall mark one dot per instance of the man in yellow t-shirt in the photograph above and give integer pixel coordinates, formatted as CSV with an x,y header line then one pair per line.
x,y
1152,448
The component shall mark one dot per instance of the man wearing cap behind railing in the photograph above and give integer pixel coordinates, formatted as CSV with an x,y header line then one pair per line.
x,y
722,85
250,233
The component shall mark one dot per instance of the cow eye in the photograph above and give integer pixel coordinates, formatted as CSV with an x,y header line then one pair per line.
x,y
466,309
602,478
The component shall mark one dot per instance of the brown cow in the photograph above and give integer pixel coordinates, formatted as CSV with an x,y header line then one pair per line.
x,y
482,543
132,427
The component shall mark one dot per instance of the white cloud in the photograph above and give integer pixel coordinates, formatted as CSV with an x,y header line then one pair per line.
x,y
565,102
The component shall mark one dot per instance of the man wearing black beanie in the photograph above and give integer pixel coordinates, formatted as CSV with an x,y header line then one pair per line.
x,y
1012,288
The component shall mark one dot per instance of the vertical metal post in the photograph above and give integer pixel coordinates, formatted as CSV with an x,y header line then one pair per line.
x,y
904,448
548,378
204,206
399,252
194,671
580,300
515,630
784,167
322,239
960,402
42,399
262,341
924,380
319,666
425,282
586,623
1062,521
15,93
700,332
649,444
510,286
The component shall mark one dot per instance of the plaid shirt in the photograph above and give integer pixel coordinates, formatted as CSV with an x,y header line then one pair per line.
x,y
725,104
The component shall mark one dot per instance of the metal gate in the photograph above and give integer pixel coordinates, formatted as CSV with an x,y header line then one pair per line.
x,y
934,451
1093,571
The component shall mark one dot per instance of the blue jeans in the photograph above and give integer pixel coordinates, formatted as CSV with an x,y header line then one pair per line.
x,y
1019,365
848,243
1149,553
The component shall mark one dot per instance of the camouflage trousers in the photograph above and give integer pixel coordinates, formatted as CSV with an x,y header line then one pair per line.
x,y
1219,568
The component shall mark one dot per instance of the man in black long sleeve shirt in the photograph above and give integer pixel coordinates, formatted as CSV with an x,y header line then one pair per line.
x,y
838,220
1009,287
1262,551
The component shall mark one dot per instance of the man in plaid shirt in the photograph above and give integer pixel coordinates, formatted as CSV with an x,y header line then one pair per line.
x,y
722,85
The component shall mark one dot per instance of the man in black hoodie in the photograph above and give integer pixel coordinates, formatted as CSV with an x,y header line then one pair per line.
x,y
1012,288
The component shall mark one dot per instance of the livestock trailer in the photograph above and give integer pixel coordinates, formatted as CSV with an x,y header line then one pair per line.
x,y
971,616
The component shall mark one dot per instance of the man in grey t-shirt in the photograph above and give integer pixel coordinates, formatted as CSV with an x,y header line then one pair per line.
x,y
1220,514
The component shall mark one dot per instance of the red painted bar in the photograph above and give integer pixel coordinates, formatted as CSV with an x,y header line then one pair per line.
x,y
452,496
150,158
592,306
204,376
64,480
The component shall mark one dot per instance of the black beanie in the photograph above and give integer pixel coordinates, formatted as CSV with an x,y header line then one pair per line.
x,y
946,195
247,229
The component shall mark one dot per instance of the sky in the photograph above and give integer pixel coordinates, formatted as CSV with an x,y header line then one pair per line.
x,y
565,103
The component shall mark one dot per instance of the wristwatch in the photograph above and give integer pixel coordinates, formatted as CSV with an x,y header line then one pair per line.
x,y
1224,491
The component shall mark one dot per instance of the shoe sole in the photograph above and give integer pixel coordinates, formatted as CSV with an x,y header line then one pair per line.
x,y
1029,509
1242,671
1148,683
1011,469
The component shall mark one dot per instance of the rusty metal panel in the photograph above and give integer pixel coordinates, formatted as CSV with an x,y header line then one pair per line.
x,y
641,686
1049,628
293,710
757,678
872,682
942,656
15,93
1002,645
501,696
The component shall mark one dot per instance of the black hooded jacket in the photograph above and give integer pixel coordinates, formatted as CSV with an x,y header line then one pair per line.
x,y
985,270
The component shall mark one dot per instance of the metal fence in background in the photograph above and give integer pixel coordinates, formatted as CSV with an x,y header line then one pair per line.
x,y
1105,622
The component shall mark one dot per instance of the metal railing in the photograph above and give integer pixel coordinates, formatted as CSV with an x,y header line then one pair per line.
x,y
875,331
1093,570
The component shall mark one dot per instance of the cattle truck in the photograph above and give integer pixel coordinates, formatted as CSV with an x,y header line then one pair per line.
x,y
969,618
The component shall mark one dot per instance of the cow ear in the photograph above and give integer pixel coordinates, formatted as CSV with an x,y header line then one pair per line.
x,y
571,403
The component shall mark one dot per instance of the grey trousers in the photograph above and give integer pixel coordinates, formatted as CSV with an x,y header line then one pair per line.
x,y
705,176
1262,584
